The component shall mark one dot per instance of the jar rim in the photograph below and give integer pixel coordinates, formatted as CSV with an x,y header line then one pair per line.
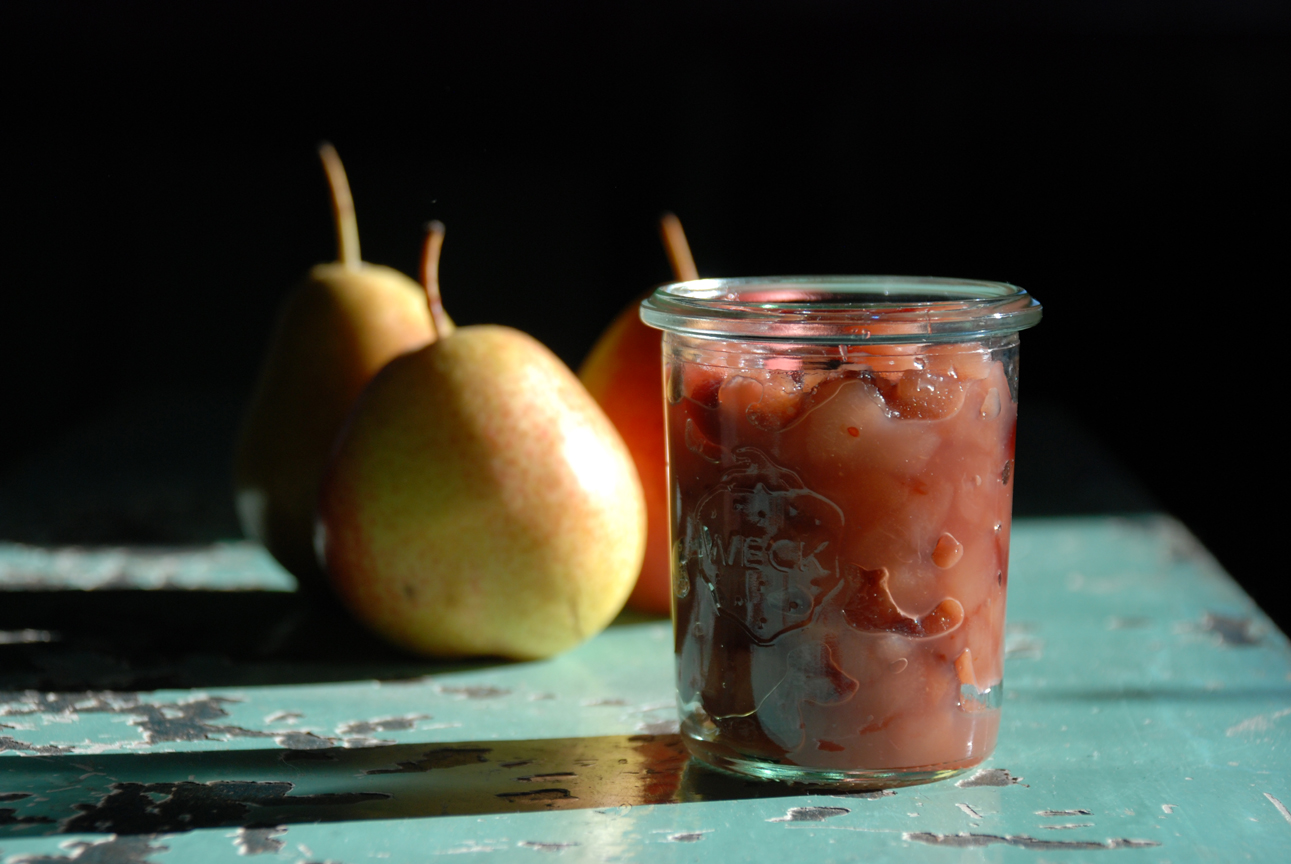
x,y
841,309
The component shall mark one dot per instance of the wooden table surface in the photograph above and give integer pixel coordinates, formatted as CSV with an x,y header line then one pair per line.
x,y
181,705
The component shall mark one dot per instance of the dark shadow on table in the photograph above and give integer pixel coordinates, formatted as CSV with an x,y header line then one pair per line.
x,y
71,640
151,793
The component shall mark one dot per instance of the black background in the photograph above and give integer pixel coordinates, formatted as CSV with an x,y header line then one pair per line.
x,y
1125,162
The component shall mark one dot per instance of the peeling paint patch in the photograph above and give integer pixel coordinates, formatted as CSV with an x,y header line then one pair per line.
x,y
1231,631
186,721
1078,812
1286,814
385,724
990,777
364,743
259,841
691,837
478,692
547,847
156,808
68,704
158,722
304,741
970,841
811,814
1067,826
444,757
172,721
111,850
969,811
871,793
7,743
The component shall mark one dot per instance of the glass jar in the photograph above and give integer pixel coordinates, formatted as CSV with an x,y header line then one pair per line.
x,y
840,463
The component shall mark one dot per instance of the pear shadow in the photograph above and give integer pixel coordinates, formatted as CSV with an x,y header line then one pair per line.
x,y
174,792
130,639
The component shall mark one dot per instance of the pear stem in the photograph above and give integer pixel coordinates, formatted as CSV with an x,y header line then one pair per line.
x,y
430,250
674,243
347,227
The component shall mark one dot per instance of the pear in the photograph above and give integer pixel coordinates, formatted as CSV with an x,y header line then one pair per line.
x,y
341,325
480,503
623,372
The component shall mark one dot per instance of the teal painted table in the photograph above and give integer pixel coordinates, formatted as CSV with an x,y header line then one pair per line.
x,y
210,717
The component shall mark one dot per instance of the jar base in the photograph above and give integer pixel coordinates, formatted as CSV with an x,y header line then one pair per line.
x,y
728,761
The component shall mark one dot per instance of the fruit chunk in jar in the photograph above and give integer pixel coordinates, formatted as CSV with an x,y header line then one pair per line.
x,y
841,554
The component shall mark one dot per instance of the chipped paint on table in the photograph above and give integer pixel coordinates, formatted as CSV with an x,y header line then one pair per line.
x,y
1147,717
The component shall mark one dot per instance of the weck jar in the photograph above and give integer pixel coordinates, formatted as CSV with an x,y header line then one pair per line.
x,y
840,464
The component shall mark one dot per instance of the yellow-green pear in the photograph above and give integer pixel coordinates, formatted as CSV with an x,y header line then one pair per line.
x,y
340,326
479,502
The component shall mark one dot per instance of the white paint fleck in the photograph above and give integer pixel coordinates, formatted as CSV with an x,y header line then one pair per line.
x,y
258,841
473,846
1023,648
1258,723
1168,808
989,777
969,811
811,814
1282,808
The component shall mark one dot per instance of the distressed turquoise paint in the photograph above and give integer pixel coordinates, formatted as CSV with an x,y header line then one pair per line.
x,y
1130,694
224,566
